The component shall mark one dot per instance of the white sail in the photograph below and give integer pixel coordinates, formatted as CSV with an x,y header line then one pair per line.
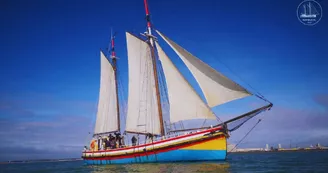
x,y
107,104
217,88
185,103
142,115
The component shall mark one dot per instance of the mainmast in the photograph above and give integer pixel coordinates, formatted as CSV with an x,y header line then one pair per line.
x,y
151,39
148,23
113,56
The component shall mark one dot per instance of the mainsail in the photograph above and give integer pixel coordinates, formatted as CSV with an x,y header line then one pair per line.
x,y
107,104
142,115
185,103
217,88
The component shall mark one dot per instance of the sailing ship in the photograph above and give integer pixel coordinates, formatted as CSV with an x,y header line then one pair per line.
x,y
144,107
309,11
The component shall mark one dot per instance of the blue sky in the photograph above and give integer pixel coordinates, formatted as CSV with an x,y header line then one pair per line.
x,y
50,64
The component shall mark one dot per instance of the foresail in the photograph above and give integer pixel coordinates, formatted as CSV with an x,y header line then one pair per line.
x,y
142,115
217,88
107,104
185,103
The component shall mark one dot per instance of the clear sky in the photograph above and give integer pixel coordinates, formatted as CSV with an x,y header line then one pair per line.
x,y
50,66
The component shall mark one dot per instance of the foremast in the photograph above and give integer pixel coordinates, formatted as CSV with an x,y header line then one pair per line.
x,y
151,40
113,56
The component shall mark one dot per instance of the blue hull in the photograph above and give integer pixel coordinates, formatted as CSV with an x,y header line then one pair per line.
x,y
181,155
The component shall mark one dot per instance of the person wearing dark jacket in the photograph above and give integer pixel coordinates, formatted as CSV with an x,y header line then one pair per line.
x,y
108,143
134,141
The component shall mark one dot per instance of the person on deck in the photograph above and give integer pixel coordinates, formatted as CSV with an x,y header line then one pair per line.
x,y
134,141
112,143
118,139
117,135
150,137
110,136
122,141
99,143
94,145
105,143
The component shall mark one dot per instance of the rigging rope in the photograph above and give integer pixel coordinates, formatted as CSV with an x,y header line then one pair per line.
x,y
218,118
204,123
245,136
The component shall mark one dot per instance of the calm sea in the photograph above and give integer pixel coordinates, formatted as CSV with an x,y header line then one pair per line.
x,y
237,162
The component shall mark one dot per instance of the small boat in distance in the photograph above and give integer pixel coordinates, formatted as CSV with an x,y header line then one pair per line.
x,y
144,107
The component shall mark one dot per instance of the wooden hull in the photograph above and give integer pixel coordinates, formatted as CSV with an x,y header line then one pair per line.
x,y
207,145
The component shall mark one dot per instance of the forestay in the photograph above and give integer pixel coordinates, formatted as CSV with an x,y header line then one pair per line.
x,y
185,103
107,104
142,115
217,88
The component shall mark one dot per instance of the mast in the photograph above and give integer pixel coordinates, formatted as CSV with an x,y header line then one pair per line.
x,y
151,39
148,23
115,74
310,12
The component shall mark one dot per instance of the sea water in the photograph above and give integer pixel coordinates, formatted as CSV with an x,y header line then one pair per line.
x,y
314,161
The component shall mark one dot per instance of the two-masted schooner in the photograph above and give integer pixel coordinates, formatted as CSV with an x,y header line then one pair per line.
x,y
144,108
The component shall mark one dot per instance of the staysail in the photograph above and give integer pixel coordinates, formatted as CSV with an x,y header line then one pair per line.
x,y
217,88
142,115
185,103
107,104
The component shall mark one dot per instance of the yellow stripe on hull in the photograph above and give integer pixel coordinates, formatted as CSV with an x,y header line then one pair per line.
x,y
214,144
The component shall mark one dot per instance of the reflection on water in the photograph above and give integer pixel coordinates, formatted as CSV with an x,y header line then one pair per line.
x,y
161,167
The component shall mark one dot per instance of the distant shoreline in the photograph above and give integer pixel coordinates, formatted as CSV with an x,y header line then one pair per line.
x,y
280,151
